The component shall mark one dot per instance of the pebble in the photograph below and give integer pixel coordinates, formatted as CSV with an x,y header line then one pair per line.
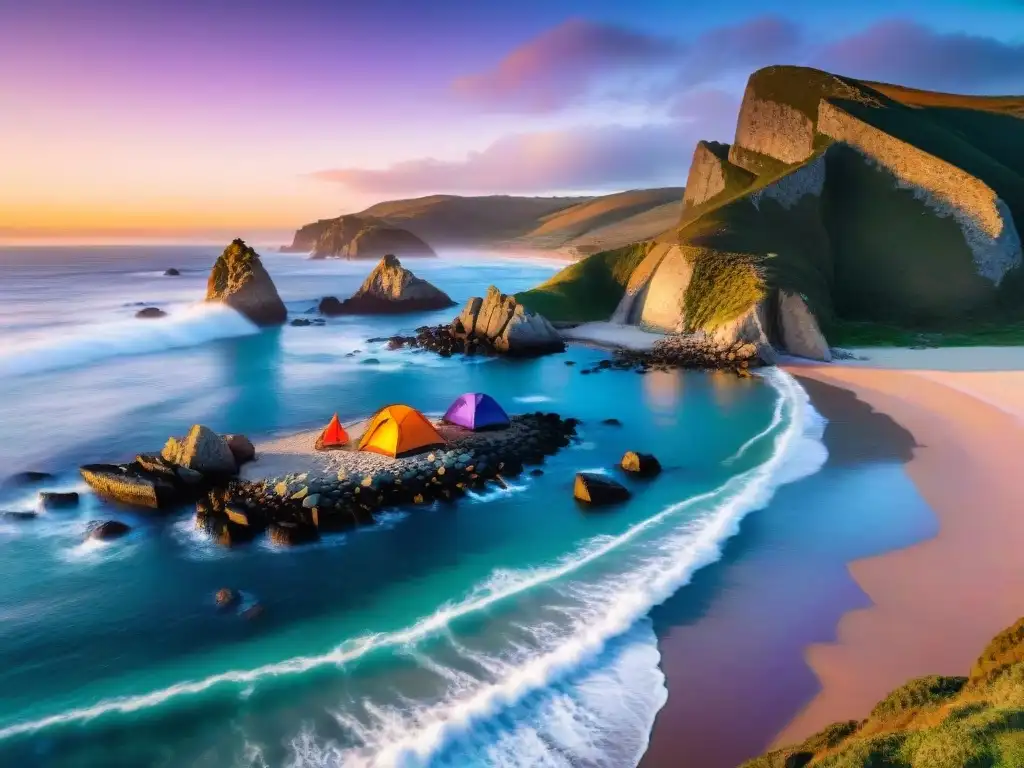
x,y
311,501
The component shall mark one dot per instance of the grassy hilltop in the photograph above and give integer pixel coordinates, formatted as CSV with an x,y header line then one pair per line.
x,y
931,722
889,211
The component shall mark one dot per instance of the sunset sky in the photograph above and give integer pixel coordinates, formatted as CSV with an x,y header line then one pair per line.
x,y
201,120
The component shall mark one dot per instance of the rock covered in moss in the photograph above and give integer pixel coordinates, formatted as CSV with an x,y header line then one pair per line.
x,y
239,280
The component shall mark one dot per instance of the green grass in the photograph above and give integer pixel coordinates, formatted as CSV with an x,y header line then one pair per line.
x,y
588,290
848,333
931,722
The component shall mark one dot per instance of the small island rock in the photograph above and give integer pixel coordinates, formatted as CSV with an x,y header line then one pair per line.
x,y
389,289
55,500
150,312
227,598
598,490
172,272
640,464
105,530
239,280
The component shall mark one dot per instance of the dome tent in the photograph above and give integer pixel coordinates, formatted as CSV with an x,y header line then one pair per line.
x,y
396,430
476,410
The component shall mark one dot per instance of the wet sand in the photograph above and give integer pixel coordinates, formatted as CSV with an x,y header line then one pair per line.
x,y
733,641
936,603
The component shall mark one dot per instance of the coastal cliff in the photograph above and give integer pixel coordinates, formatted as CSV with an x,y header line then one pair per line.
x,y
839,204
356,237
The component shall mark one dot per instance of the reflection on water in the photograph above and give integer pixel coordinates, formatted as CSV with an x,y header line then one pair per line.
x,y
662,393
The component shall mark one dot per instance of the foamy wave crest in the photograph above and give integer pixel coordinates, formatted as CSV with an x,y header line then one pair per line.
x,y
533,399
446,732
197,324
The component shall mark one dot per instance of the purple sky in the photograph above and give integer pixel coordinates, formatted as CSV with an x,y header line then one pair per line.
x,y
208,119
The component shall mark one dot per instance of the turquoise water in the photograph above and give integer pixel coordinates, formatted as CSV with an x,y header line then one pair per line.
x,y
510,630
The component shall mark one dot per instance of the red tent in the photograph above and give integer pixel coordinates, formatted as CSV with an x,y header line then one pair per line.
x,y
333,436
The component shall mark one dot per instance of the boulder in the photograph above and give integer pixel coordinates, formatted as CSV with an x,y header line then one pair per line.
x,y
202,450
227,598
172,272
598,490
640,464
28,478
239,280
19,515
254,611
56,500
150,313
301,322
389,289
130,485
241,448
106,530
507,326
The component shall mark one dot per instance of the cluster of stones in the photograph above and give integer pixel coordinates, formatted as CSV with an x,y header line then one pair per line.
x,y
594,489
296,509
681,351
185,470
443,340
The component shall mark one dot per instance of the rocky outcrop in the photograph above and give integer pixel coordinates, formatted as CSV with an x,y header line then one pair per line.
x,y
150,313
799,329
201,450
707,175
106,530
360,237
389,289
171,272
239,280
640,464
132,484
661,306
507,325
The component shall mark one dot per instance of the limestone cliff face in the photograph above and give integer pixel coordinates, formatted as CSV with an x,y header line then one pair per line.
x,y
707,176
984,218
357,237
239,280
773,129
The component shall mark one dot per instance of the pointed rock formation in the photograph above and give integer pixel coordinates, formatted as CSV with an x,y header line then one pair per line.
x,y
389,289
239,280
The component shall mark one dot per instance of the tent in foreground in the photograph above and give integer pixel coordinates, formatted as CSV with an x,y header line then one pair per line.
x,y
475,410
333,436
397,430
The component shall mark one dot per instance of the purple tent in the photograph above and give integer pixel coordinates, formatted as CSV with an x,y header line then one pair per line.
x,y
475,410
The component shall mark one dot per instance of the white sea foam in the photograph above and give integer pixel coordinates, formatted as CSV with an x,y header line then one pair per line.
x,y
612,613
533,399
197,324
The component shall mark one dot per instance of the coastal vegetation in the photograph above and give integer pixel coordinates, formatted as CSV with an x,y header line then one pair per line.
x,y
931,722
889,212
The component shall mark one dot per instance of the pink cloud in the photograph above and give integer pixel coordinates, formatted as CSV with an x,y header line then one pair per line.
x,y
908,53
593,159
560,64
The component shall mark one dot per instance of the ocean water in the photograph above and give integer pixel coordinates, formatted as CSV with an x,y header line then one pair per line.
x,y
509,630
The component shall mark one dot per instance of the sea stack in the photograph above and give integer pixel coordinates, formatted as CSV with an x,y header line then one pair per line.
x,y
239,280
389,289
507,325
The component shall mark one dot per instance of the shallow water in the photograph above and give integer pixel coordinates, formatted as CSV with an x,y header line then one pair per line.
x,y
509,630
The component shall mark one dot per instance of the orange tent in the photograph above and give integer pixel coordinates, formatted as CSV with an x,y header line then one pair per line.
x,y
333,436
397,430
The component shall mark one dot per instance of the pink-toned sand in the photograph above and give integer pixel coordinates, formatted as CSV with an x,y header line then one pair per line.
x,y
936,603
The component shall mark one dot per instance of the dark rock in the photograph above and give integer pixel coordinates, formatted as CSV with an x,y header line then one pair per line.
x,y
300,322
172,272
536,472
641,464
150,312
227,598
612,422
241,448
57,500
329,305
389,289
254,611
598,490
105,530
370,361
19,515
28,478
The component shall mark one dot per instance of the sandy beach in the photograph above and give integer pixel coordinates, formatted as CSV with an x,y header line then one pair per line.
x,y
936,603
